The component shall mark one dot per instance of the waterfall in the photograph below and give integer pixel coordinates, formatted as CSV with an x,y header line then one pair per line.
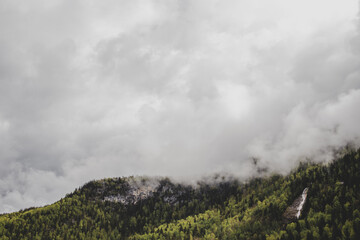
x,y
303,199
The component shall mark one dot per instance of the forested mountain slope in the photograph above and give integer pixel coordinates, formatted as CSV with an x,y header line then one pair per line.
x,y
148,208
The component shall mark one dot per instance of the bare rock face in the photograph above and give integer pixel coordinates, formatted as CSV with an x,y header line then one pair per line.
x,y
293,212
132,196
130,191
135,191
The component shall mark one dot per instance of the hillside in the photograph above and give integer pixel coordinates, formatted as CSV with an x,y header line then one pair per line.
x,y
157,208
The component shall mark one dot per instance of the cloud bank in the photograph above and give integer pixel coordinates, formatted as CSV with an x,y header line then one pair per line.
x,y
93,89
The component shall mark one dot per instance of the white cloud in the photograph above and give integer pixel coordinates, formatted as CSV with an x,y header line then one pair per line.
x,y
94,89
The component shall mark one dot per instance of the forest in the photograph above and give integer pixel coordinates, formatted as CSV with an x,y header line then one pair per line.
x,y
224,208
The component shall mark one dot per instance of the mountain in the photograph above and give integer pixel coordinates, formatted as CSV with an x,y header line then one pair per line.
x,y
315,201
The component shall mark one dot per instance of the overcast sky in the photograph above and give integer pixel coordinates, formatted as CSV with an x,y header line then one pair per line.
x,y
92,89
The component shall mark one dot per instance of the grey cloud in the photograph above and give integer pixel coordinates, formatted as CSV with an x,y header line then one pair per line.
x,y
181,88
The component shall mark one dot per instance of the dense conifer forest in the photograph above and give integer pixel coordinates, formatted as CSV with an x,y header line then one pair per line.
x,y
220,209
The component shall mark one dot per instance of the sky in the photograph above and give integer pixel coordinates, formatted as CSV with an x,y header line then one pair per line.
x,y
93,89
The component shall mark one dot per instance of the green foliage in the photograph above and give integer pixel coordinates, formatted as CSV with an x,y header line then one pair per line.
x,y
226,210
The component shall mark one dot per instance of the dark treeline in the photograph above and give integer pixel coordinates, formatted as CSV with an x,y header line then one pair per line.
x,y
225,210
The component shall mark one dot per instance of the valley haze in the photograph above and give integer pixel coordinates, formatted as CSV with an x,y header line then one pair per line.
x,y
96,89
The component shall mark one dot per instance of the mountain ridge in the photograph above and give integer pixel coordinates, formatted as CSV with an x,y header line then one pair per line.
x,y
147,208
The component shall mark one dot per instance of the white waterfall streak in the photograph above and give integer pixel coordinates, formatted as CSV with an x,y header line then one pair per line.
x,y
300,207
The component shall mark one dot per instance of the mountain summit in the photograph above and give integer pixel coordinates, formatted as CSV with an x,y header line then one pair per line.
x,y
317,201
